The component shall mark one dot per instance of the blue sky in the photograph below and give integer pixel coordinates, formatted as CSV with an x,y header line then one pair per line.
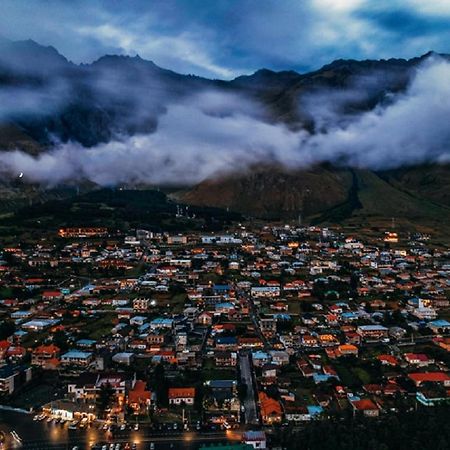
x,y
226,38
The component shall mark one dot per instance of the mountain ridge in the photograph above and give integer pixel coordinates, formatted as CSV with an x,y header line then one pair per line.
x,y
93,103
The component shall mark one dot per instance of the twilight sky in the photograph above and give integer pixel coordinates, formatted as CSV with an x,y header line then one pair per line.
x,y
226,38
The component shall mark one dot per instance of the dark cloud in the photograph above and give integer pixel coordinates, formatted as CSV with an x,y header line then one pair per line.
x,y
224,38
213,133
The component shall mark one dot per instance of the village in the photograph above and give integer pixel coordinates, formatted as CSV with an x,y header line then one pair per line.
x,y
239,333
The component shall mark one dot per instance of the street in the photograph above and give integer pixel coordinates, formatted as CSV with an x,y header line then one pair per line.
x,y
251,408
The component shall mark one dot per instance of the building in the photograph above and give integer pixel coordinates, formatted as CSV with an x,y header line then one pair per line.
x,y
430,377
46,356
64,409
12,377
271,411
372,332
365,406
141,304
257,439
418,359
439,326
181,396
139,398
82,232
77,358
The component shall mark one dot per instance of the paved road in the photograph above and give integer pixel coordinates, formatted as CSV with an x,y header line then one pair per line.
x,y
251,408
22,433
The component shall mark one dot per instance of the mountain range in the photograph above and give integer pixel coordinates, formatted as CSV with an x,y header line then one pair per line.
x,y
45,98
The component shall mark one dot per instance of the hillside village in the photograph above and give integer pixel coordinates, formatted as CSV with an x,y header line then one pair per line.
x,y
242,332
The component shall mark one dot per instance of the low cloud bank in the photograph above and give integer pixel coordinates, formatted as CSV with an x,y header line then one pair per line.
x,y
215,133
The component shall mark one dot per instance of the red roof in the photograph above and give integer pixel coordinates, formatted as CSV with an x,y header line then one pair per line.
x,y
269,406
51,294
392,360
139,393
181,392
46,349
365,405
438,377
416,356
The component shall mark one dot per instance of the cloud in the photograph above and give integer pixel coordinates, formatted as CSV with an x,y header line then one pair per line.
x,y
223,38
216,133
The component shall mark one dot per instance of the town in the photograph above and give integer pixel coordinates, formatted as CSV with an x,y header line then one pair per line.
x,y
230,335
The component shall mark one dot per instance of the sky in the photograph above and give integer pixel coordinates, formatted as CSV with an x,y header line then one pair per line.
x,y
226,38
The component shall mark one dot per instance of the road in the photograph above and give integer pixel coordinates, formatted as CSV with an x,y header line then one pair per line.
x,y
21,432
247,377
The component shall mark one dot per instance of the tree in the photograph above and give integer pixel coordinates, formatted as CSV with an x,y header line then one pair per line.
x,y
7,328
105,398
160,385
60,340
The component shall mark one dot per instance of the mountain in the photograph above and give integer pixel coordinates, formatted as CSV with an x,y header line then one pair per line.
x,y
327,194
56,100
92,103
273,192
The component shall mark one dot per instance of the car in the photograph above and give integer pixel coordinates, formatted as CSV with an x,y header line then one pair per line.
x,y
104,447
117,447
175,426
123,427
152,446
75,447
136,427
111,446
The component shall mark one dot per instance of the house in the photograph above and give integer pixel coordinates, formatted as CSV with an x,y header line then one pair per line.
x,y
52,295
425,313
161,323
418,359
181,396
205,318
260,358
46,356
432,397
63,409
257,439
297,413
346,350
431,377
271,411
38,325
225,359
388,360
250,342
141,304
77,358
372,332
125,358
365,406
139,398
88,385
439,326
280,358
226,343
12,377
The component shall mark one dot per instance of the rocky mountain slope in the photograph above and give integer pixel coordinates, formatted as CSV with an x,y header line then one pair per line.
x,y
58,101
